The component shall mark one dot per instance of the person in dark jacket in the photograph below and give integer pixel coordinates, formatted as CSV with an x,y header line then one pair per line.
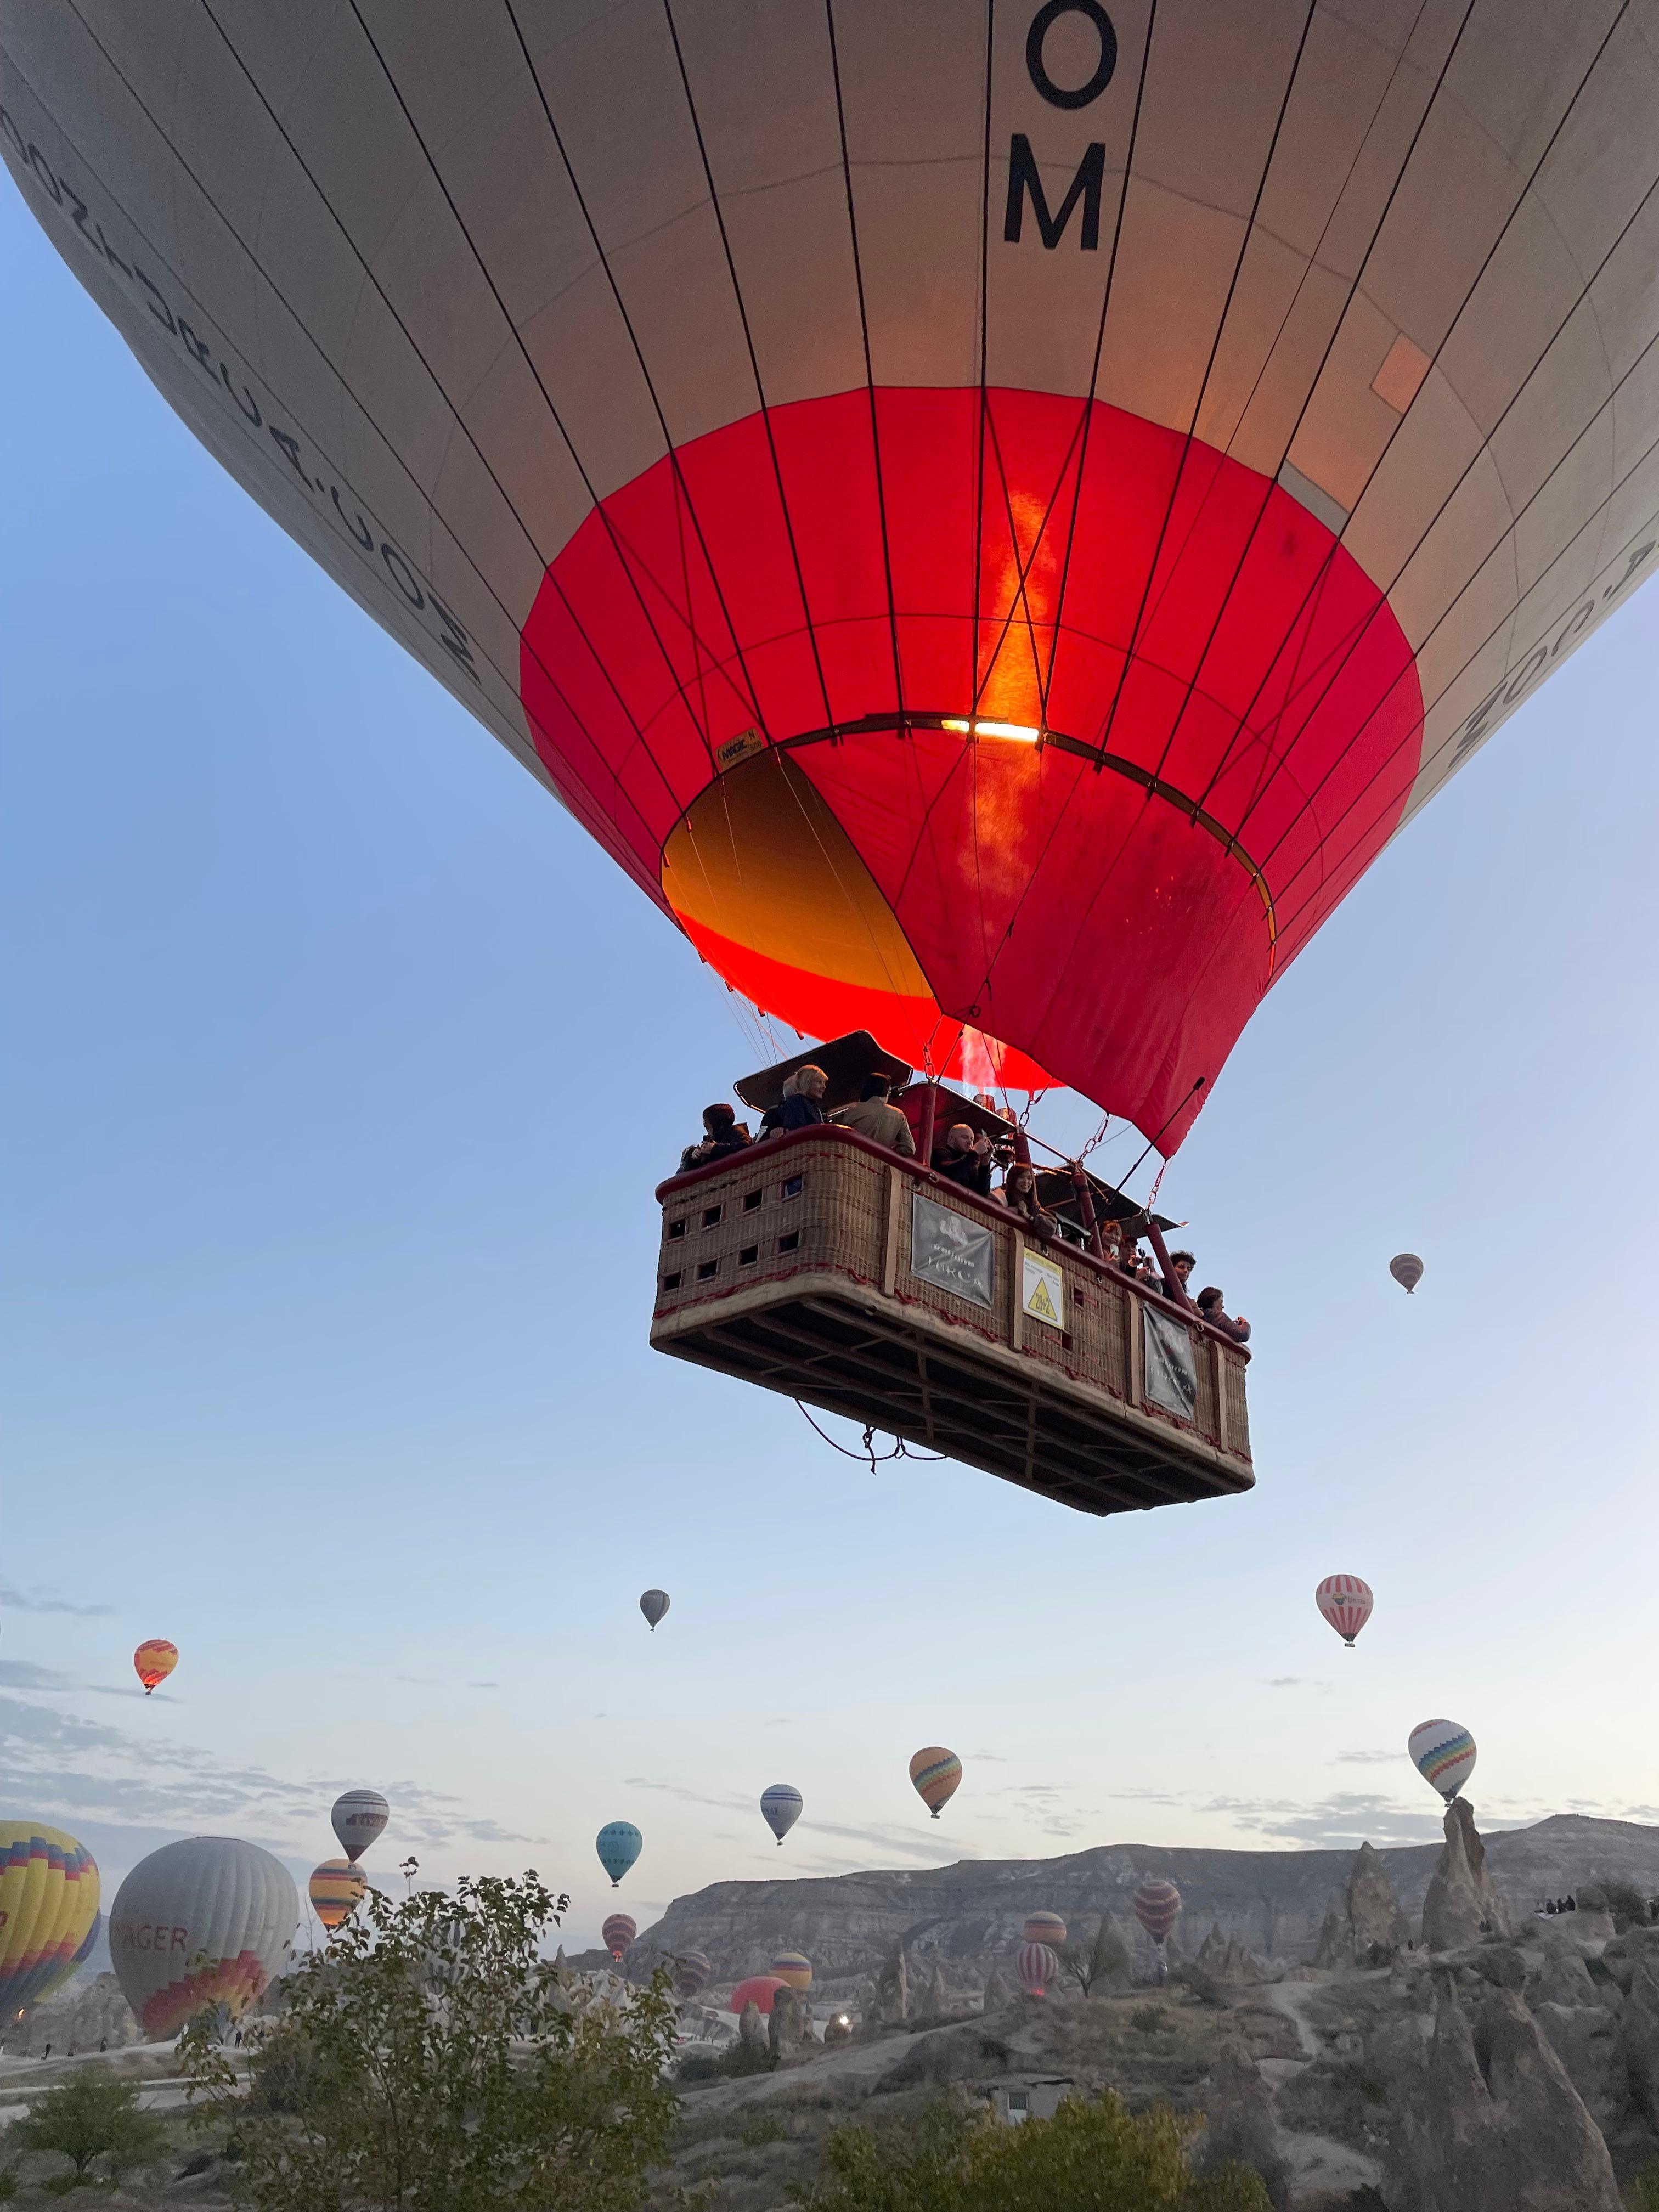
x,y
965,1160
723,1134
799,1107
1018,1193
1212,1307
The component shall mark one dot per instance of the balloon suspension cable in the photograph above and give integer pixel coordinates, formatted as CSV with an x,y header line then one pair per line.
x,y
1151,1144
901,1450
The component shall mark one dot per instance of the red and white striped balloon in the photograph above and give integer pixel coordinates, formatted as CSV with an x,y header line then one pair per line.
x,y
1346,1603
1037,1967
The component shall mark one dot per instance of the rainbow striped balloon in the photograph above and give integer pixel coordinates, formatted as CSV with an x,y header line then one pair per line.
x,y
1444,1754
1045,1928
1036,1967
48,1911
336,1890
1157,1907
1346,1603
936,1773
795,1968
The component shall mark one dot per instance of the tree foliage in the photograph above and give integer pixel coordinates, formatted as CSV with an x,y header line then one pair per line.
x,y
90,2116
432,2060
1106,1958
1094,2155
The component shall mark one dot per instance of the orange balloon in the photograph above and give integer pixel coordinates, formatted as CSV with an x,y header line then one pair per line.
x,y
154,1660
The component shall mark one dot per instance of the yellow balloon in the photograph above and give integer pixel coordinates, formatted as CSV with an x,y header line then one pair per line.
x,y
337,1890
48,1911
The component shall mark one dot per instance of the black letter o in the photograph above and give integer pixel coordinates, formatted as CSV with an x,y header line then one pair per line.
x,y
1044,20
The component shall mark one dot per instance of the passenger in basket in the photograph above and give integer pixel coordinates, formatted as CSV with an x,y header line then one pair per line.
x,y
723,1134
1019,1194
800,1106
874,1118
1175,1286
1211,1306
965,1159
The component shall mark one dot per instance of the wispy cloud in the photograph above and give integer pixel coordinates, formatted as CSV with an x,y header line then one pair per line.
x,y
41,1600
1368,1758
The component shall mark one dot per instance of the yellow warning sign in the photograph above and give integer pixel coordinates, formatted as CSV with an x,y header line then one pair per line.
x,y
1044,1290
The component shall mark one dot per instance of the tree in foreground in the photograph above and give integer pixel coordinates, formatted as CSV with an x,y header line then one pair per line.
x,y
433,2060
91,2116
1103,1960
1094,2155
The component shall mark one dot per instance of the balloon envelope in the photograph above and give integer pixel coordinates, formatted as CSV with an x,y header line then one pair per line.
x,y
935,1772
1157,1907
206,1922
781,1809
336,1888
795,1968
653,1604
1346,1603
359,1819
618,1932
154,1660
1037,1967
1407,1270
693,1972
618,1844
1044,1928
775,424
49,1894
759,1990
1444,1754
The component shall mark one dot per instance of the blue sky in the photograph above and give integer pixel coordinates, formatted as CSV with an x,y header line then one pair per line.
x,y
340,1069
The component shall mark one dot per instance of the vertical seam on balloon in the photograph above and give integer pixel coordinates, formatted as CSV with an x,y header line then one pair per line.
x,y
1520,201
975,681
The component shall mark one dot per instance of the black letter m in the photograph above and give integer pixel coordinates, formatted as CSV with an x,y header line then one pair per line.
x,y
1022,178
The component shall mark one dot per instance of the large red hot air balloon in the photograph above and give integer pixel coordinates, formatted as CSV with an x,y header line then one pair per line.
x,y
991,515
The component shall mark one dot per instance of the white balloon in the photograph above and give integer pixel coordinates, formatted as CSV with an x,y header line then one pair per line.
x,y
207,1921
359,1818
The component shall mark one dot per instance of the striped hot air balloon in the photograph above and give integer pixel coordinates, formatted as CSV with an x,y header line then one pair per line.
x,y
335,1889
1044,1928
48,1911
1444,1754
760,1991
359,1819
795,1968
1157,1908
1346,1603
935,1772
204,1922
780,1808
618,1933
154,1660
1036,1967
693,1972
1407,1270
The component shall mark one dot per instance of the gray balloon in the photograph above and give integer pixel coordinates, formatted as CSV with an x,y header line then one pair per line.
x,y
1407,1270
654,1605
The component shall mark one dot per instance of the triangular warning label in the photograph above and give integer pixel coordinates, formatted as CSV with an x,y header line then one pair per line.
x,y
1039,1303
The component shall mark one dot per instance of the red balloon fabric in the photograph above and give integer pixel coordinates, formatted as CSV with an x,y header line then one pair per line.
x,y
759,1990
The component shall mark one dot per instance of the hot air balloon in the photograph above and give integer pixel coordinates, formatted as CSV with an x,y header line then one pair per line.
x,y
1346,1603
693,1972
336,1888
1157,1908
1407,1270
759,1990
975,596
618,1933
795,1968
935,1772
780,1809
48,1911
1044,1928
653,1604
1444,1754
154,1660
207,1921
359,1819
1036,1967
618,1844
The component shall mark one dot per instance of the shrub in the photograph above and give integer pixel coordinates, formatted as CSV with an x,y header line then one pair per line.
x,y
1103,1960
735,2063
766,2130
1149,2019
1644,2190
90,2116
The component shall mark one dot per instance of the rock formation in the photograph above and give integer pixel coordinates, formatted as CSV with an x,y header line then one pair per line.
x,y
930,2000
751,2028
1462,1904
1368,1928
790,2030
1223,1959
891,2005
1000,1988
1239,2124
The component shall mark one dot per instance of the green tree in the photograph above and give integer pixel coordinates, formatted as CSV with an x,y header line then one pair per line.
x,y
1103,1960
89,2116
1092,2156
433,2060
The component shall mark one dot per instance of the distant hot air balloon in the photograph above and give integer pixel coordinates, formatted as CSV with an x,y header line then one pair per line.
x,y
1407,1270
935,1772
336,1888
207,1921
154,1660
1444,1754
760,1991
1044,1928
1157,1908
781,1809
1037,1967
618,1933
618,1844
359,1818
653,1604
1346,1603
48,1911
795,1968
693,1972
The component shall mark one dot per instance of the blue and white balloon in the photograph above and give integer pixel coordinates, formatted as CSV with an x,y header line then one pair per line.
x,y
780,1809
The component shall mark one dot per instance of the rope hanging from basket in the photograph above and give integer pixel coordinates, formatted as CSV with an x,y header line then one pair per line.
x,y
901,1450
